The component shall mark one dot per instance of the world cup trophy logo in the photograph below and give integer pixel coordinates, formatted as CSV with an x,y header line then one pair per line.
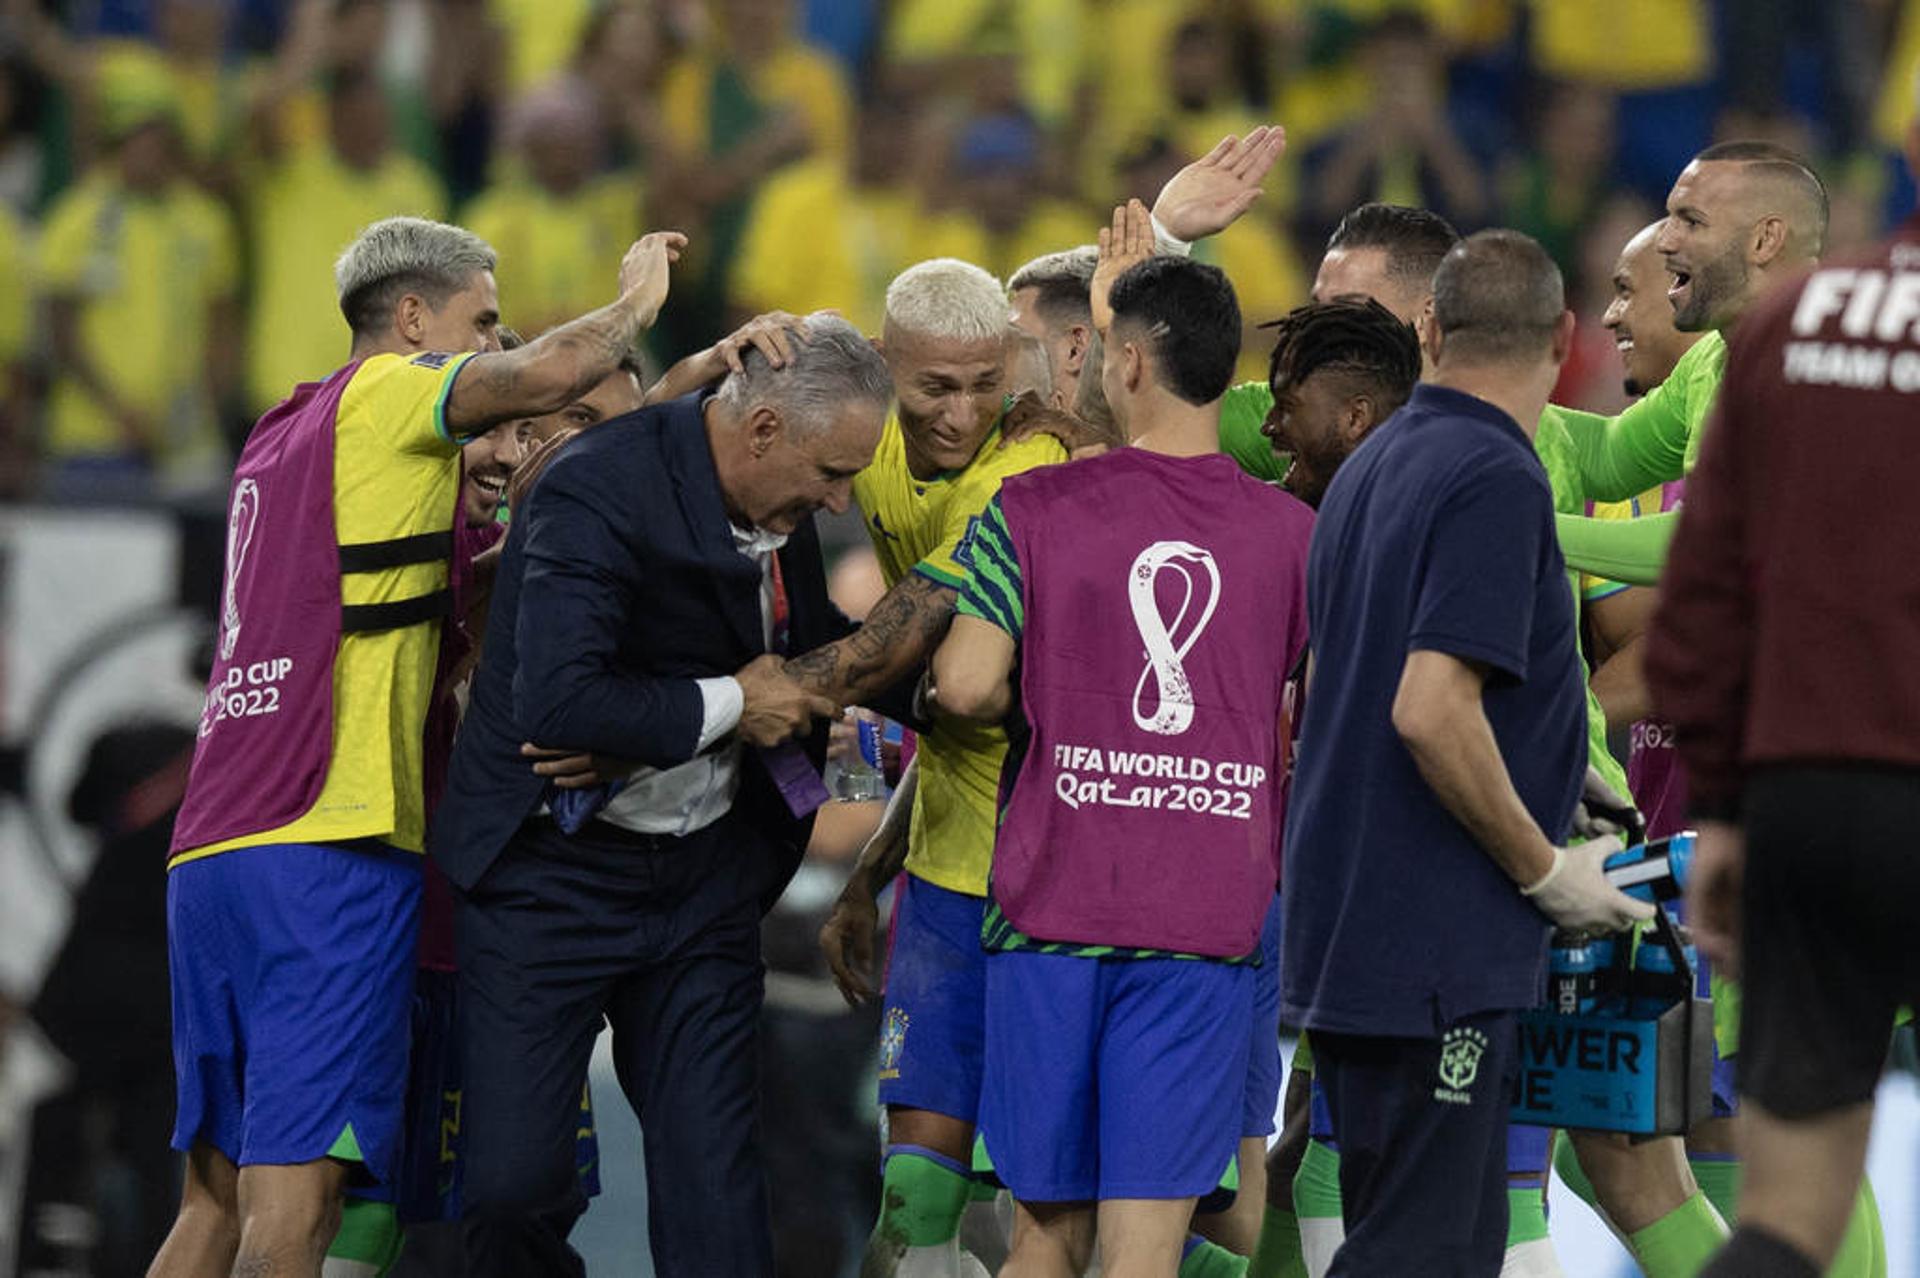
x,y
1171,694
241,520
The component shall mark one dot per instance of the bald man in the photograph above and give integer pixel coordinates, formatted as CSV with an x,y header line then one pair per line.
x,y
1741,217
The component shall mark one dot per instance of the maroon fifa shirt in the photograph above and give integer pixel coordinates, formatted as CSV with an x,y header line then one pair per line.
x,y
1789,618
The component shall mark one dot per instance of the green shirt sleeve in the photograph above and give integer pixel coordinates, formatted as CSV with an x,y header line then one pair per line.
x,y
1621,457
1631,551
992,588
1242,410
1655,439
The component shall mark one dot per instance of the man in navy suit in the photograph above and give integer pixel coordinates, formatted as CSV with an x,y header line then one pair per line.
x,y
651,581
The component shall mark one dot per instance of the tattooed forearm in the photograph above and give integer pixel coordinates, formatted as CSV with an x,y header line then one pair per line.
x,y
899,634
546,374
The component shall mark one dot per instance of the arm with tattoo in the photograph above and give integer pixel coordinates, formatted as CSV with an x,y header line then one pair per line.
x,y
899,633
558,367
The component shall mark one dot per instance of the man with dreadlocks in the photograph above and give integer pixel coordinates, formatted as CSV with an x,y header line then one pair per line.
x,y
1339,369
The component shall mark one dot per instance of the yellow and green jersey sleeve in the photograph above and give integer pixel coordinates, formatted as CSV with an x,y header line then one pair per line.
x,y
993,590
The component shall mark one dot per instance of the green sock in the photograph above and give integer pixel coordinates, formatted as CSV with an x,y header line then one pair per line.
x,y
1316,1186
1204,1259
922,1196
1863,1248
1526,1215
368,1237
1278,1253
1718,1176
1681,1242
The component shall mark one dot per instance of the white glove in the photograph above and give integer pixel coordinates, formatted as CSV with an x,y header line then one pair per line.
x,y
1575,893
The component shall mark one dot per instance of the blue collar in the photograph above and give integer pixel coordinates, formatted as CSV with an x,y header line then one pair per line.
x,y
1444,401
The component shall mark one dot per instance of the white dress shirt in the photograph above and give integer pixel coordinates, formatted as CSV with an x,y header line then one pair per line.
x,y
693,795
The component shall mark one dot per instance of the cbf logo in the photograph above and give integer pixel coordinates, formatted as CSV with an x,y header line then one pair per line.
x,y
893,1040
1173,704
1460,1051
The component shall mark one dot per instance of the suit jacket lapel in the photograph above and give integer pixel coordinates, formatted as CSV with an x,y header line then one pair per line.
x,y
735,578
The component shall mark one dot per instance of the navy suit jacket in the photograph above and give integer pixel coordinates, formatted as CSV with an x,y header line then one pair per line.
x,y
619,586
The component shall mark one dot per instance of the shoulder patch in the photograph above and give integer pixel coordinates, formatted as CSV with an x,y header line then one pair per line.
x,y
963,549
432,359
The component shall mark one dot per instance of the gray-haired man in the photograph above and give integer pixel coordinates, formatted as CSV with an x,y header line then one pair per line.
x,y
652,580
293,902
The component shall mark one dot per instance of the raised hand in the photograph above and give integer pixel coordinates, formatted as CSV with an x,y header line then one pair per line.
x,y
1205,197
1126,243
643,272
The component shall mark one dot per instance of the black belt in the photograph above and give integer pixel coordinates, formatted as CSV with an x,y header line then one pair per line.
x,y
360,618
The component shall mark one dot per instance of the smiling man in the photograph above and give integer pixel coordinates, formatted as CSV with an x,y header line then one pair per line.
x,y
1641,318
1339,369
938,465
294,881
1740,218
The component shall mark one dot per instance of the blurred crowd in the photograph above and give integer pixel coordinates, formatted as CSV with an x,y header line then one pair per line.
x,y
176,175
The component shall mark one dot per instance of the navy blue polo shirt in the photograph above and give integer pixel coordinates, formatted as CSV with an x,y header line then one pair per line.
x,y
1437,534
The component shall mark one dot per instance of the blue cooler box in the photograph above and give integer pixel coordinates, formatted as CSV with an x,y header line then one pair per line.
x,y
1633,1053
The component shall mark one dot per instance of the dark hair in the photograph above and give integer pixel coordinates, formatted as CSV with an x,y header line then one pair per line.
x,y
1497,298
509,338
1353,336
1060,282
1191,321
1783,165
1414,240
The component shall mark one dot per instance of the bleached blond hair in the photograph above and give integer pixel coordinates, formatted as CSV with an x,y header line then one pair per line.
x,y
948,299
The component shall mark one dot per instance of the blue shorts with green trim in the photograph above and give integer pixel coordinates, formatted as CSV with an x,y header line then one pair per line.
x,y
1113,1078
292,971
1263,1048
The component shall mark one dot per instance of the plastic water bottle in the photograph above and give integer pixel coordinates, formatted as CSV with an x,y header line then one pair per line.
x,y
1571,971
1655,870
1654,960
861,779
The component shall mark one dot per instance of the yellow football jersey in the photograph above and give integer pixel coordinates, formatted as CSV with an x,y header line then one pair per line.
x,y
920,525
396,473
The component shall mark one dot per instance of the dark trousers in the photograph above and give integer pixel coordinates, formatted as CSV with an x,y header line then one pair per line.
x,y
662,938
1422,1129
1829,950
